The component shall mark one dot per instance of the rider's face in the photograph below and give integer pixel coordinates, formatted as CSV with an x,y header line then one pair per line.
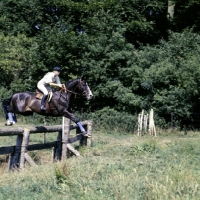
x,y
56,72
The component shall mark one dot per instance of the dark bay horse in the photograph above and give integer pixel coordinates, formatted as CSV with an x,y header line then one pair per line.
x,y
26,103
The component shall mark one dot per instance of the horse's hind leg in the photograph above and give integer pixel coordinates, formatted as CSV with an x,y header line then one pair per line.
x,y
77,121
11,119
9,114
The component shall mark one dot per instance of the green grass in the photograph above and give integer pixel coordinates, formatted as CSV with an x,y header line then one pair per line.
x,y
116,166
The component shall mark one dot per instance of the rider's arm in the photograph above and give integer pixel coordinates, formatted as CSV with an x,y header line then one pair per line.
x,y
50,79
55,84
57,80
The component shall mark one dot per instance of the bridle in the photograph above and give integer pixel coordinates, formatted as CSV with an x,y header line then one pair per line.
x,y
70,91
63,92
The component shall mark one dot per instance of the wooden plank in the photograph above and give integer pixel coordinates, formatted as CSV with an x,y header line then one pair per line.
x,y
74,139
30,160
11,130
7,150
34,147
74,151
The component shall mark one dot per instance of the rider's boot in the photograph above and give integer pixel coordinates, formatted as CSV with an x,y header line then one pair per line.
x,y
42,107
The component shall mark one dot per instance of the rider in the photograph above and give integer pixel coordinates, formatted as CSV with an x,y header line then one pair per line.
x,y
50,79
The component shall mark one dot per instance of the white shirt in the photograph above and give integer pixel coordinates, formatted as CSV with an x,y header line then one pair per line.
x,y
49,78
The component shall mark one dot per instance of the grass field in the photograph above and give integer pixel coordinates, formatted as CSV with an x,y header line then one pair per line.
x,y
117,166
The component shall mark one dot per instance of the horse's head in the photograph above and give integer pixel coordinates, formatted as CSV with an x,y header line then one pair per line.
x,y
84,89
80,86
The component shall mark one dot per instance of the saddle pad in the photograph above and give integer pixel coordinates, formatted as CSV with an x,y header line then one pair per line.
x,y
40,95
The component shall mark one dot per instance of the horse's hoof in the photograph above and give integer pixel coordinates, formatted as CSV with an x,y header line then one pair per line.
x,y
8,124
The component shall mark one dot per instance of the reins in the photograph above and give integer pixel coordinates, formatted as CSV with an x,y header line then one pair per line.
x,y
66,90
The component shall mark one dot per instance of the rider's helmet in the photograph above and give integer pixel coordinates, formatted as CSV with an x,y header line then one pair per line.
x,y
56,68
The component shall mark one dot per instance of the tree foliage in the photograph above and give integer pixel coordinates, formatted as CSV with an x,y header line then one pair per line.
x,y
187,15
135,57
14,62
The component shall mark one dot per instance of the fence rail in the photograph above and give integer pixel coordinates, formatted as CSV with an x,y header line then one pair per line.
x,y
38,129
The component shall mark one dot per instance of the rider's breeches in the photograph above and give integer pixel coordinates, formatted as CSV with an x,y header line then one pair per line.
x,y
42,88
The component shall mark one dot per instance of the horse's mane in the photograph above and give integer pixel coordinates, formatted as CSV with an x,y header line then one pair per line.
x,y
67,83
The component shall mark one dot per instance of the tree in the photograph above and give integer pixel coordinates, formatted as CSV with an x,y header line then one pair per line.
x,y
186,15
15,61
122,46
21,16
172,79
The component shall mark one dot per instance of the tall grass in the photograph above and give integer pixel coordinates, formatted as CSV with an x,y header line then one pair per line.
x,y
116,166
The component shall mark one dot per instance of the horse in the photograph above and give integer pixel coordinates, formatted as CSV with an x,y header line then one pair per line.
x,y
60,104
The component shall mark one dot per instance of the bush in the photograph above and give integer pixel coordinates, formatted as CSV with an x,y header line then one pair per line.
x,y
111,120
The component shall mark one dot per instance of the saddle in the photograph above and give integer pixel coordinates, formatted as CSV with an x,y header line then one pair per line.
x,y
39,95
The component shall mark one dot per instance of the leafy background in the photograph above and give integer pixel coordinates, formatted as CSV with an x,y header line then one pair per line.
x,y
135,55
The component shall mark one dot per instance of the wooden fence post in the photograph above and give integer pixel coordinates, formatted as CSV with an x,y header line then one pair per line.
x,y
139,119
15,156
152,129
89,132
57,153
140,123
25,141
65,134
145,122
86,141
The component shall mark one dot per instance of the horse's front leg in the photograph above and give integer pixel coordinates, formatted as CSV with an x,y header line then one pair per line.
x,y
71,116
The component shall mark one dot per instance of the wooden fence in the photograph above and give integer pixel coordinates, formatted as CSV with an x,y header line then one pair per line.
x,y
143,121
18,154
